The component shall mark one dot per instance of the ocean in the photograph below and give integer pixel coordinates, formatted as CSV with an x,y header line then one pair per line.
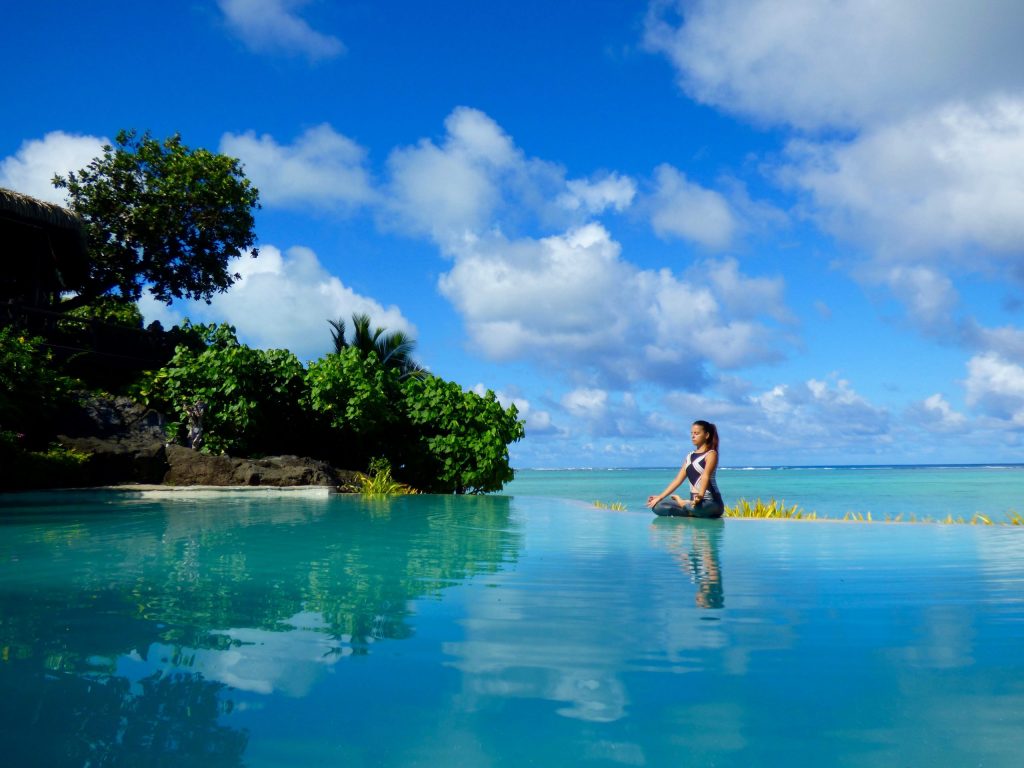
x,y
921,491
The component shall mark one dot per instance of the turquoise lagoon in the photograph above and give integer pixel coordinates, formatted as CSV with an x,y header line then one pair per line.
x,y
270,630
923,491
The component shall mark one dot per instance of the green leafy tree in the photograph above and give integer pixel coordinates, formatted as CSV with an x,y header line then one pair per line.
x,y
393,348
162,215
252,398
356,397
458,440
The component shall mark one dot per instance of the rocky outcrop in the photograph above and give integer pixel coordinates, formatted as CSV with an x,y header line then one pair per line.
x,y
126,443
188,467
124,440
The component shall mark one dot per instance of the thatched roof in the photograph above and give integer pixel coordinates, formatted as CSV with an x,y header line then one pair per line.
x,y
32,211
42,249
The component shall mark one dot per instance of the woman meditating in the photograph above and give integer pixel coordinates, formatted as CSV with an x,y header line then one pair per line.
x,y
699,469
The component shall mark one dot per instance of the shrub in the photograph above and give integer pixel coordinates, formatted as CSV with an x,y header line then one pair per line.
x,y
457,440
356,400
31,388
252,397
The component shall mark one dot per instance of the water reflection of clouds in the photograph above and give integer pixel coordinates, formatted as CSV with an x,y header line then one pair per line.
x,y
261,661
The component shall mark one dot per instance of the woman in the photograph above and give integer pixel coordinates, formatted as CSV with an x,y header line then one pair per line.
x,y
699,468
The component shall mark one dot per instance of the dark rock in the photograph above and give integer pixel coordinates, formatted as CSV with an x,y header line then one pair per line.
x,y
112,417
127,459
126,443
124,439
188,467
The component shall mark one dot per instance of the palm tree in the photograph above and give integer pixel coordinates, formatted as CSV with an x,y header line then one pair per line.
x,y
393,348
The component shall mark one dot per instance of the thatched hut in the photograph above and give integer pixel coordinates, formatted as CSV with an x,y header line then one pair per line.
x,y
42,253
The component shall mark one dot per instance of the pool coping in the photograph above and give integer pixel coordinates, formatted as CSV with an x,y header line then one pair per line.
x,y
154,491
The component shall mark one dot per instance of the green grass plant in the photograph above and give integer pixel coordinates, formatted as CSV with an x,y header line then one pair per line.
x,y
778,510
770,509
379,482
616,506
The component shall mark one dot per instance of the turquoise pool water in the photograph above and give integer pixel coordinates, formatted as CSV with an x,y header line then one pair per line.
x,y
497,631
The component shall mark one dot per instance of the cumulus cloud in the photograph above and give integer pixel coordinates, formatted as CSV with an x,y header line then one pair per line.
x,y
936,414
322,168
946,181
996,386
31,169
928,176
474,179
689,211
568,298
818,411
283,301
597,195
573,302
844,63
272,26
586,402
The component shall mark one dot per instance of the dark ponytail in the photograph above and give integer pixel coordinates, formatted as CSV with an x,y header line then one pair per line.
x,y
712,431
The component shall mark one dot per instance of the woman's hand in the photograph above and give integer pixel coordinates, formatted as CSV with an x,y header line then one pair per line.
x,y
652,500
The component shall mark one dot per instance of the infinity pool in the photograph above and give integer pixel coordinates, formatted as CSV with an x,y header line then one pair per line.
x,y
438,631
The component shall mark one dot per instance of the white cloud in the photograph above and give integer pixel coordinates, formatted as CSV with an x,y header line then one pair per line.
x,y
996,386
929,177
597,195
818,411
843,63
929,295
322,168
690,212
936,414
474,180
273,26
283,301
942,182
31,169
1007,342
571,302
744,296
587,403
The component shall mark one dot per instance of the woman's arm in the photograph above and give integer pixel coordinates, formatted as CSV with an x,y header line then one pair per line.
x,y
709,469
676,482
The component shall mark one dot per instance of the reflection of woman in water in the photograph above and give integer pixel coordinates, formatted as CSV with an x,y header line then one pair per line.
x,y
699,469
698,554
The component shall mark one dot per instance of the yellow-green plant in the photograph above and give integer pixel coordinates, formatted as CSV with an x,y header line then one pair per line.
x,y
616,506
779,510
379,482
769,509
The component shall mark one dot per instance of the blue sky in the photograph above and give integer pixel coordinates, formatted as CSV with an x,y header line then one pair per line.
x,y
801,220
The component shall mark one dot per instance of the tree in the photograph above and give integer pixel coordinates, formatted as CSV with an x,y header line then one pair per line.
x,y
162,216
393,348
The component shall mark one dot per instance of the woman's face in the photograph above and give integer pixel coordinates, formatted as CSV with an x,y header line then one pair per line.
x,y
698,435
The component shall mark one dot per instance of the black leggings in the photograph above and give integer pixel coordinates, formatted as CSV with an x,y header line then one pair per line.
x,y
705,508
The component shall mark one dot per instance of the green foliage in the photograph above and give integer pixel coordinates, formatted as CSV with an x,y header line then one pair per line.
x,y
458,440
379,482
393,348
54,467
615,506
769,509
162,215
253,398
355,397
779,510
112,310
31,388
